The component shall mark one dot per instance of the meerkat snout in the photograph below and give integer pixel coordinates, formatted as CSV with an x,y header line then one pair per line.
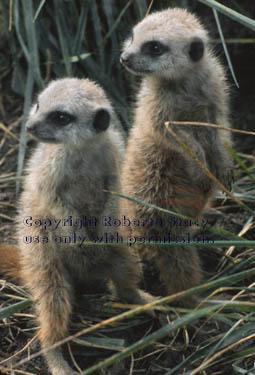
x,y
30,127
46,126
124,58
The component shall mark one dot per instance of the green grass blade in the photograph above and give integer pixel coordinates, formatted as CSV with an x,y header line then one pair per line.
x,y
108,10
16,14
115,25
101,342
82,23
228,338
83,56
98,34
62,38
155,336
246,21
32,43
215,230
242,265
23,136
40,6
240,7
15,308
141,7
225,46
199,355
240,162
222,282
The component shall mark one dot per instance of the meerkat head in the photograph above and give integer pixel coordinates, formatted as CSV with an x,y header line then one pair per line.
x,y
168,43
70,111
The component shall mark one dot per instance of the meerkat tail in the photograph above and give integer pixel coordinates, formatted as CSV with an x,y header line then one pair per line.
x,y
10,262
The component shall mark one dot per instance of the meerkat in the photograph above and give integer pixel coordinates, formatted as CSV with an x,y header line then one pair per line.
x,y
182,80
77,159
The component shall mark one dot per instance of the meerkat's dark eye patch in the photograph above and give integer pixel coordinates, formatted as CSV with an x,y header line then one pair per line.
x,y
101,120
154,48
60,118
196,49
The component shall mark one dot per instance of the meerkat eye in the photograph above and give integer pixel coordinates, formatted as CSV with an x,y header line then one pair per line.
x,y
60,118
154,48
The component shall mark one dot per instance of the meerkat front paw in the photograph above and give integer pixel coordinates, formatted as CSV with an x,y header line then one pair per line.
x,y
144,298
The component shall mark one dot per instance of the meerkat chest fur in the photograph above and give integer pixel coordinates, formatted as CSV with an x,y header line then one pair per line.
x,y
188,99
65,175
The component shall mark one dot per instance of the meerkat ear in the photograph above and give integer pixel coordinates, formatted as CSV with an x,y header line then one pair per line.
x,y
101,120
196,49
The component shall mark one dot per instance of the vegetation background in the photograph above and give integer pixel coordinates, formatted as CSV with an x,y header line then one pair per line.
x,y
45,39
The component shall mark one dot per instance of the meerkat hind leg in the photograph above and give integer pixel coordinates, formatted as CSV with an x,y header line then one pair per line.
x,y
179,270
52,292
57,364
125,275
54,326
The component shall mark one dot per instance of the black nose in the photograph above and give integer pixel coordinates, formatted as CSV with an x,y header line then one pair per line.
x,y
30,127
124,58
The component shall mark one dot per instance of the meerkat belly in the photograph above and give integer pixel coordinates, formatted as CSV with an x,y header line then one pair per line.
x,y
162,178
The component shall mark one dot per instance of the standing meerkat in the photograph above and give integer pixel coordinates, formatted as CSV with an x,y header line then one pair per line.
x,y
182,80
62,207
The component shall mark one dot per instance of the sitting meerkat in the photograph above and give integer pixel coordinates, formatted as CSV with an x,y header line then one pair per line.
x,y
77,159
182,80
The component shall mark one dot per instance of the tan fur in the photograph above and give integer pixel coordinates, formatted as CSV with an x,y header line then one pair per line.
x,y
182,81
10,262
77,159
